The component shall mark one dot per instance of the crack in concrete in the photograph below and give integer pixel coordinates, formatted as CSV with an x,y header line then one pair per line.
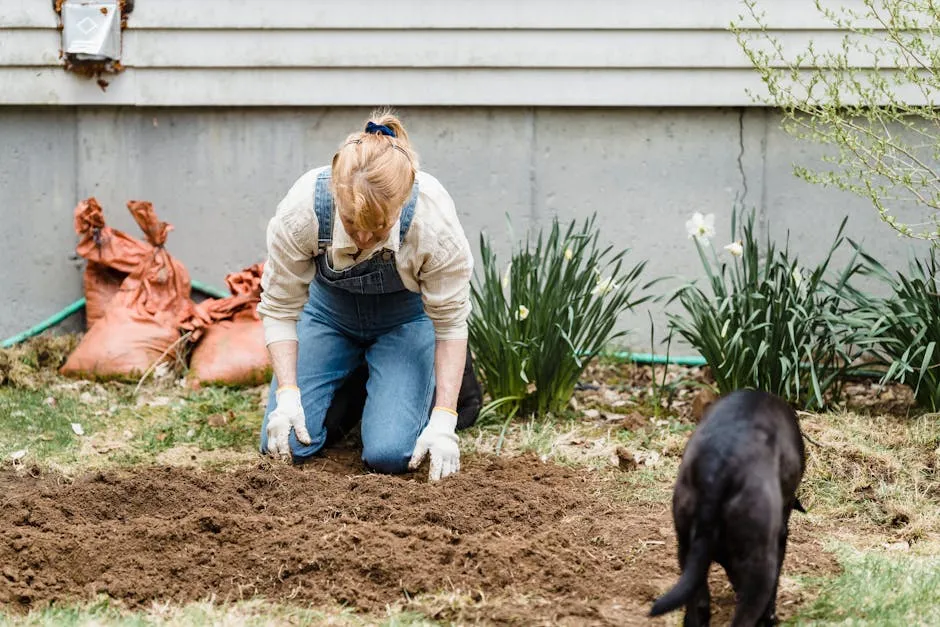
x,y
741,154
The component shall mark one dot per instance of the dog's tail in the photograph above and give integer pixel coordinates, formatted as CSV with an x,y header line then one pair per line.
x,y
698,559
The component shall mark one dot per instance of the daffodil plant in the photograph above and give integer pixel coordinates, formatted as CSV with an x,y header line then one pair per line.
x,y
767,323
905,326
539,320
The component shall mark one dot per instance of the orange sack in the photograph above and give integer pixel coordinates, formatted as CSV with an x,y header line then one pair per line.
x,y
141,326
111,255
232,350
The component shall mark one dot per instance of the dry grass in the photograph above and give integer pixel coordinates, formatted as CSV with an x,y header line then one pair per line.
x,y
32,365
875,472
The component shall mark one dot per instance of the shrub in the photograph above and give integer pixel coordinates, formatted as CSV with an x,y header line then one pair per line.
x,y
769,324
535,328
905,327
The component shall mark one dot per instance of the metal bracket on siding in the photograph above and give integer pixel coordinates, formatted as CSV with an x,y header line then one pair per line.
x,y
92,35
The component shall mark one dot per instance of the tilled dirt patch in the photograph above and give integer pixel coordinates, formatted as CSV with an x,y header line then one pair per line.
x,y
523,541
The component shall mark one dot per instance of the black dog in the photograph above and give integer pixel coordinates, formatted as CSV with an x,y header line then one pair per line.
x,y
735,490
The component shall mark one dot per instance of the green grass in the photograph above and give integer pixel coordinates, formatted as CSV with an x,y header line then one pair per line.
x,y
103,613
27,421
877,588
120,428
187,422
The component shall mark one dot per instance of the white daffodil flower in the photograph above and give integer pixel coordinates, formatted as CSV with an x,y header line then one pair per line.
x,y
736,249
604,286
701,226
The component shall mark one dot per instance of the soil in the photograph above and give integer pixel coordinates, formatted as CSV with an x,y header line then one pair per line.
x,y
524,541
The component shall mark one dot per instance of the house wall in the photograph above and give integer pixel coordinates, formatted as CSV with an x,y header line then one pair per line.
x,y
530,109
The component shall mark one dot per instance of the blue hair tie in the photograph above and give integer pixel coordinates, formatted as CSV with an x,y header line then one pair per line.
x,y
379,129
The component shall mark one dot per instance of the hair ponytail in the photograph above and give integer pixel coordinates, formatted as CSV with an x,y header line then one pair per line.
x,y
385,117
374,171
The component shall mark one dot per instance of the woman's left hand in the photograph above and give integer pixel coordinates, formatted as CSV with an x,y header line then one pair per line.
x,y
439,439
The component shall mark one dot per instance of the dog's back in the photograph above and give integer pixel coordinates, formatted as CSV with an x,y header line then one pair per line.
x,y
746,430
734,492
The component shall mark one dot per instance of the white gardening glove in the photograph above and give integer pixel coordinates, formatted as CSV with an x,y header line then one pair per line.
x,y
288,414
439,439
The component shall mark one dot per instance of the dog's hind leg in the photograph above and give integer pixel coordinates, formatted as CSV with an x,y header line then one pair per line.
x,y
754,581
770,614
698,609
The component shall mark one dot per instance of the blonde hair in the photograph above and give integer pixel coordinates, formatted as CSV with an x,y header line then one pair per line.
x,y
373,174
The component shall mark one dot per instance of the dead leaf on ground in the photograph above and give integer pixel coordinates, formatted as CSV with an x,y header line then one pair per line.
x,y
625,459
217,420
634,421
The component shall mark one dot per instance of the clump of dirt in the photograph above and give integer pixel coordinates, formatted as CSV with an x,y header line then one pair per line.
x,y
33,363
625,459
528,541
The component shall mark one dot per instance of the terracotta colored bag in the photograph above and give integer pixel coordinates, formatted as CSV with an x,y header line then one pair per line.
x,y
141,325
111,255
231,350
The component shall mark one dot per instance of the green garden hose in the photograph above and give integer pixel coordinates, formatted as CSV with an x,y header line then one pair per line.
x,y
650,358
209,290
53,320
57,318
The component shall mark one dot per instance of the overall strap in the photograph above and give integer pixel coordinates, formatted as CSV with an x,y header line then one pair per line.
x,y
323,207
408,213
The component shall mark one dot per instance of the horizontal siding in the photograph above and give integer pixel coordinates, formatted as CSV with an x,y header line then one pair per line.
x,y
432,49
398,86
17,14
33,47
425,52
417,49
446,14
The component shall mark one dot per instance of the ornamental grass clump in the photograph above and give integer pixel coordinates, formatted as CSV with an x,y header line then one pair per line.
x,y
766,322
539,321
905,327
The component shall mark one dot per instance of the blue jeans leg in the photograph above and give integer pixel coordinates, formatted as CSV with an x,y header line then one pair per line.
x,y
400,386
325,357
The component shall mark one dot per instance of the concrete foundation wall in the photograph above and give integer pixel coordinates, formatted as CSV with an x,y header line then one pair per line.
x,y
217,175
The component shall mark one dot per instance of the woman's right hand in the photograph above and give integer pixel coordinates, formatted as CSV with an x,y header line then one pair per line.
x,y
289,414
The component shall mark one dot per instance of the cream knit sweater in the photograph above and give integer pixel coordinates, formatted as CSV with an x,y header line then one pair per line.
x,y
434,259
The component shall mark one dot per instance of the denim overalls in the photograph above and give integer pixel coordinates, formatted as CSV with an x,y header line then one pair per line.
x,y
363,312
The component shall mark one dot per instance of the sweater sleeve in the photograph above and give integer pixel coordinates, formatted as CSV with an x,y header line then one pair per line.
x,y
444,261
289,267
445,289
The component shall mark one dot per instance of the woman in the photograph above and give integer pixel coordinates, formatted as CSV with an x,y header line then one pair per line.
x,y
367,261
